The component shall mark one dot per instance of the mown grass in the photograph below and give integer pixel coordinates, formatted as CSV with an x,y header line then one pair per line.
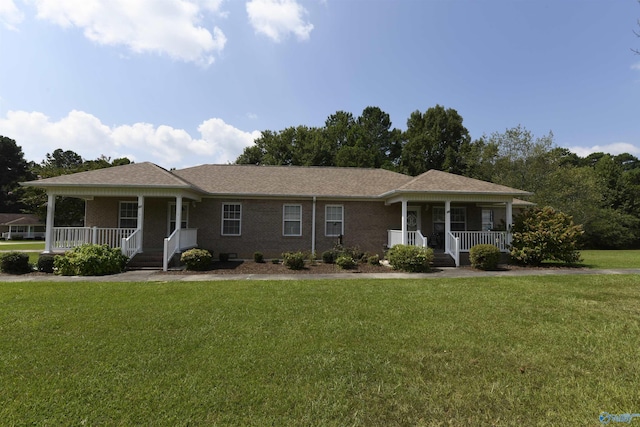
x,y
21,245
611,259
492,351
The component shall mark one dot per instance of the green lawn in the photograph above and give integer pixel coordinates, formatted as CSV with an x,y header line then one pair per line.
x,y
552,350
21,245
611,259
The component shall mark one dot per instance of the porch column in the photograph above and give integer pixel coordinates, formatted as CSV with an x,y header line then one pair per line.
x,y
48,235
447,224
141,219
178,220
509,220
404,222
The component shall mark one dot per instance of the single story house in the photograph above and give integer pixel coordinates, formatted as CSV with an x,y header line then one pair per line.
x,y
242,209
14,226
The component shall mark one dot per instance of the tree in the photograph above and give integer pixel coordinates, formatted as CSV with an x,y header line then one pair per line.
x,y
541,234
435,140
13,169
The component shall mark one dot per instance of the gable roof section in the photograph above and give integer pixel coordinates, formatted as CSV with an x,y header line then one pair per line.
x,y
435,181
251,180
19,219
144,174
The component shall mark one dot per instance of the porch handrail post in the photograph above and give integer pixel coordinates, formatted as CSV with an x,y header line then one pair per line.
x,y
509,220
404,222
94,235
447,224
140,220
178,220
48,235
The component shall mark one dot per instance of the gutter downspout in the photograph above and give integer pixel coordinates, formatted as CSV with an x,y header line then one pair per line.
x,y
313,227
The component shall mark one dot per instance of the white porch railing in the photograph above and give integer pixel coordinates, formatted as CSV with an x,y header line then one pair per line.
x,y
452,246
179,240
132,245
469,239
414,238
9,235
65,238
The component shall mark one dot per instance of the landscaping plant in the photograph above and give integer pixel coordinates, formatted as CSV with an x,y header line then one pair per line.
x,y
15,263
90,260
484,257
541,234
413,259
196,259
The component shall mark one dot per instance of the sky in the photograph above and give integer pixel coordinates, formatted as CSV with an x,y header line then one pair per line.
x,y
186,82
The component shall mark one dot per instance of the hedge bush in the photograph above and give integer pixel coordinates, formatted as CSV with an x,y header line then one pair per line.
x,y
413,259
293,260
328,257
90,260
46,263
373,259
484,257
345,262
196,259
15,263
258,257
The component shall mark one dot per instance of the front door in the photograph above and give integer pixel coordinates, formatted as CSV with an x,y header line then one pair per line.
x,y
413,218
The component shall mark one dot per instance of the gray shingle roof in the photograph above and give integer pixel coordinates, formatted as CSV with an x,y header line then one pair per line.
x,y
292,180
144,174
19,219
287,181
436,181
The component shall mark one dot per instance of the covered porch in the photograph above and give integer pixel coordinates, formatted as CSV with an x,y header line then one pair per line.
x,y
134,232
453,226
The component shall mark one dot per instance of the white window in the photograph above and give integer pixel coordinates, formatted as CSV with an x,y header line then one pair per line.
x,y
231,219
458,218
292,220
128,215
184,222
487,219
334,220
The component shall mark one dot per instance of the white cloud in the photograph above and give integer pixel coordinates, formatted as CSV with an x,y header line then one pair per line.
x,y
10,15
636,66
85,134
171,27
614,149
278,18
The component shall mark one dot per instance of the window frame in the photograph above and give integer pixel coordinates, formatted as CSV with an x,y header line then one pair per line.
x,y
127,218
286,220
440,211
234,220
171,217
327,221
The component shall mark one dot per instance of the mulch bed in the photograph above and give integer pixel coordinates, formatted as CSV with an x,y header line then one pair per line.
x,y
251,267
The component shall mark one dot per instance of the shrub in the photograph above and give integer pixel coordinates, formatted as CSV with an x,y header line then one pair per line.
x,y
258,257
541,234
345,262
410,258
275,261
90,260
373,259
15,263
293,260
484,257
328,257
197,259
223,257
45,263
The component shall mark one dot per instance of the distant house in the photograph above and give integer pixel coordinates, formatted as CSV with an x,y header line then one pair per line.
x,y
241,209
14,226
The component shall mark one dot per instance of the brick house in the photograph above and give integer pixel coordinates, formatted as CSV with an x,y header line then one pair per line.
x,y
241,209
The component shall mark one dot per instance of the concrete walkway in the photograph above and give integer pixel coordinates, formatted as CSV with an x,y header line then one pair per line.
x,y
451,272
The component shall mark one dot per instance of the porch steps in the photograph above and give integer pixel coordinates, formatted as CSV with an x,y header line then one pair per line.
x,y
146,261
440,259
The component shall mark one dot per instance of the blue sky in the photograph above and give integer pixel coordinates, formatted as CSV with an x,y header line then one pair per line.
x,y
186,82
